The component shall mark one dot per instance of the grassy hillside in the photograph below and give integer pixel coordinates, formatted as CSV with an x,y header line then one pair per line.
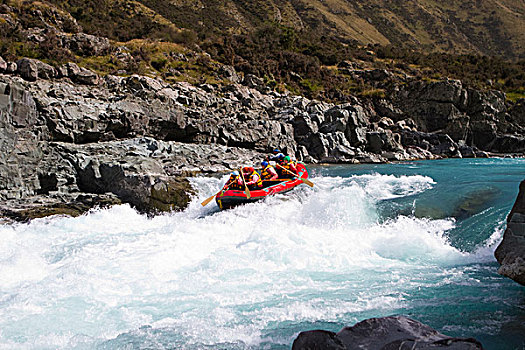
x,y
293,44
486,27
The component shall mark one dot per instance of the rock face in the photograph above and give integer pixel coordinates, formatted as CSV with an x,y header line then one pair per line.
x,y
69,135
511,251
394,332
474,118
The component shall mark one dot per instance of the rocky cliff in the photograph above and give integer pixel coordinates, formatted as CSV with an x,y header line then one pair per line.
x,y
511,251
73,139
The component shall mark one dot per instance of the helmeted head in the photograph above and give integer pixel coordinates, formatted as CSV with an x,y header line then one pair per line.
x,y
264,164
276,150
287,158
235,173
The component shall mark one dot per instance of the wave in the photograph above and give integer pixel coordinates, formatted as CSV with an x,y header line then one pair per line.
x,y
313,254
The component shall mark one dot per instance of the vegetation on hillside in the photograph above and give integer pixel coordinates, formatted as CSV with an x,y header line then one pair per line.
x,y
490,27
147,39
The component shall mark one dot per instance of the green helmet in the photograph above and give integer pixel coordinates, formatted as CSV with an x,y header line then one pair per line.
x,y
287,158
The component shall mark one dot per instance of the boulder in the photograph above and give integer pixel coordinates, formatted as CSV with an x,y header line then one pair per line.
x,y
3,65
31,69
253,81
511,251
229,73
86,77
46,71
88,45
508,144
70,69
28,69
393,332
435,143
318,340
77,74
11,68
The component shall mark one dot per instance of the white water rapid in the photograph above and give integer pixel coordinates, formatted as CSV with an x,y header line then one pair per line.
x,y
204,277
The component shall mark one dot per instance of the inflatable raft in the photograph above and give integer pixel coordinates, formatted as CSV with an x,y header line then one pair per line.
x,y
230,198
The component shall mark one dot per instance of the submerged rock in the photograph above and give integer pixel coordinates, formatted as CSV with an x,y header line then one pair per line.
x,y
511,251
393,332
474,202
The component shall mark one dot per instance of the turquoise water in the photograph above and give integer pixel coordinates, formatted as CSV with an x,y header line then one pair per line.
x,y
414,238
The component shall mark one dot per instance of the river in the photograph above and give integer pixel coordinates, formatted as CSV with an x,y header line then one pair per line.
x,y
413,238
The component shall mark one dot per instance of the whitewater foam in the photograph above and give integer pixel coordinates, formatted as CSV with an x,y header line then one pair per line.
x,y
313,254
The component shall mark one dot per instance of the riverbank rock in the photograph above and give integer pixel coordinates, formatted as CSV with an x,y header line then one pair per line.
x,y
477,118
511,251
393,332
68,131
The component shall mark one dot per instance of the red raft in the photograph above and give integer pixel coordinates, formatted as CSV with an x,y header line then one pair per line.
x,y
230,198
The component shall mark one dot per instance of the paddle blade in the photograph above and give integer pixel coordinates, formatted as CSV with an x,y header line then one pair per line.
x,y
248,194
206,201
308,182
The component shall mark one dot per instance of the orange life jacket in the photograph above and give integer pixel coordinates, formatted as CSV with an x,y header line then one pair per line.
x,y
233,182
259,180
290,166
265,173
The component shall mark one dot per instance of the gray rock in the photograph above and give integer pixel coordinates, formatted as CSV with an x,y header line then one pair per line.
x,y
3,65
31,69
253,81
229,73
511,251
318,340
53,133
45,71
477,117
72,69
393,332
86,77
436,143
87,45
508,144
11,68
28,69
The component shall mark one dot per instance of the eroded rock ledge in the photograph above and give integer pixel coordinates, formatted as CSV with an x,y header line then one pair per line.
x,y
393,332
70,139
511,251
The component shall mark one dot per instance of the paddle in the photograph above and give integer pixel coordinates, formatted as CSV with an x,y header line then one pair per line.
x,y
306,181
206,201
248,195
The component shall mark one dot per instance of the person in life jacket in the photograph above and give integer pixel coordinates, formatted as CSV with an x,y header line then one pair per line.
x,y
253,179
234,182
289,165
268,172
277,156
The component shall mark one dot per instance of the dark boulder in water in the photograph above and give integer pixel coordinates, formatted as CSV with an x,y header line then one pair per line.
x,y
393,332
511,251
318,340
